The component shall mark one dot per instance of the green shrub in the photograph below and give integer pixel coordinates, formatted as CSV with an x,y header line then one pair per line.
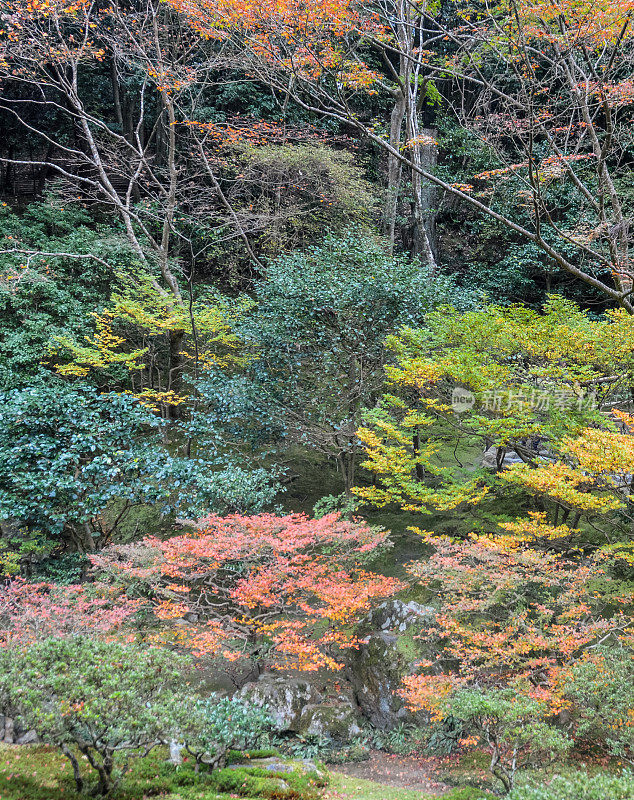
x,y
307,745
581,786
601,688
215,726
65,569
402,740
511,726
108,701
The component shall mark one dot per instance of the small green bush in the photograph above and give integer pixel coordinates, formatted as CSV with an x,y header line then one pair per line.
x,y
601,688
215,726
581,786
511,726
357,751
403,740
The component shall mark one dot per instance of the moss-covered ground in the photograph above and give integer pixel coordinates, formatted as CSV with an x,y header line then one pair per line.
x,y
42,773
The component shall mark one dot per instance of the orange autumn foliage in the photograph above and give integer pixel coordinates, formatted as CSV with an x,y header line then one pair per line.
x,y
309,39
290,586
514,614
30,612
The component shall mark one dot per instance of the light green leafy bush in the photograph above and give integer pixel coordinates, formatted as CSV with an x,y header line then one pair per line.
x,y
581,786
105,701
217,725
511,726
601,688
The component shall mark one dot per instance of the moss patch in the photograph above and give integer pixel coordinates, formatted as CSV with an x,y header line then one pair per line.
x,y
42,773
257,782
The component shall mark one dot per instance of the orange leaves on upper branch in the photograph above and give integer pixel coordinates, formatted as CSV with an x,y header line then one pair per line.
x,y
548,169
577,23
307,39
298,584
47,32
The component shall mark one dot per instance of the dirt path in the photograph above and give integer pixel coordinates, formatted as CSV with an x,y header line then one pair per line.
x,y
402,772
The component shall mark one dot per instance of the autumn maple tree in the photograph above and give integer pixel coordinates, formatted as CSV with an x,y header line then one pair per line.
x,y
514,621
538,578
511,612
540,384
285,589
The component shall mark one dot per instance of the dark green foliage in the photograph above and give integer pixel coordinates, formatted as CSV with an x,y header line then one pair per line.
x,y
44,296
66,454
65,569
317,338
404,740
485,255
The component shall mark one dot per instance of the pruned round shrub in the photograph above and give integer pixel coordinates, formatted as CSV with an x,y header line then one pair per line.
x,y
215,726
106,701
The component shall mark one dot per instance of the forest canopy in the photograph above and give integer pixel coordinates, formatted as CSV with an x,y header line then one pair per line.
x,y
316,396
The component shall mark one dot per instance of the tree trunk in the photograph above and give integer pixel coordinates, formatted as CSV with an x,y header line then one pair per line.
x,y
394,170
420,471
175,380
79,781
81,537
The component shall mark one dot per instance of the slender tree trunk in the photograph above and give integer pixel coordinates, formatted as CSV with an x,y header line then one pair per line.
x,y
420,472
116,95
394,170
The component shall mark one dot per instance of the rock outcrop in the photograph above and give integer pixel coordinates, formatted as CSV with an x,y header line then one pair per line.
x,y
390,652
300,706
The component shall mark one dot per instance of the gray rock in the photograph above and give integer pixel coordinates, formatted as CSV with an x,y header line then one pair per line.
x,y
309,766
269,764
507,458
298,706
338,723
30,737
6,730
285,698
303,766
376,669
397,615
176,752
